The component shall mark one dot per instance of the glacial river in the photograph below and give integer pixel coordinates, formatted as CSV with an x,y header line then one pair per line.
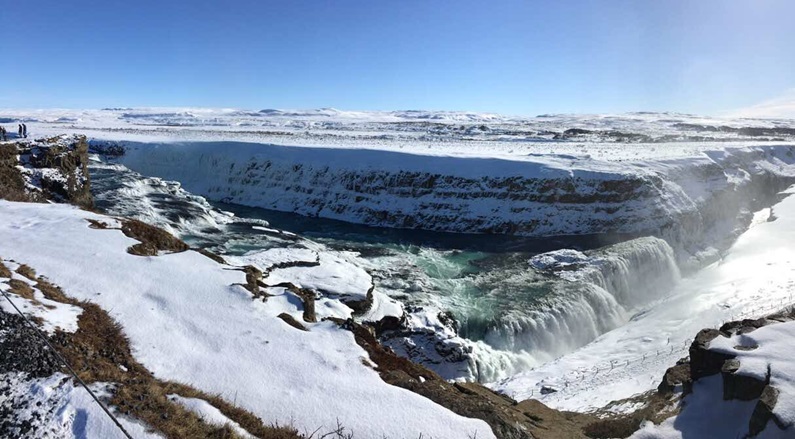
x,y
509,315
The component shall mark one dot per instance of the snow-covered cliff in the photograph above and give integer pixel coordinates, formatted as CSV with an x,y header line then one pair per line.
x,y
680,199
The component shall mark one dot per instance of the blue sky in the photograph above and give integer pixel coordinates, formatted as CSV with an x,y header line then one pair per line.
x,y
515,57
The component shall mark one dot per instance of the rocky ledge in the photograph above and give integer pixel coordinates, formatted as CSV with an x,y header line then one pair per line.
x,y
729,353
54,169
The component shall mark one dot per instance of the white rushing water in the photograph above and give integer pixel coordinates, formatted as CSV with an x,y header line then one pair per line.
x,y
575,301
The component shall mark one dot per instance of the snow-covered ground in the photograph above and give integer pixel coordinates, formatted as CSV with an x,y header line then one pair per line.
x,y
60,409
763,355
203,328
423,132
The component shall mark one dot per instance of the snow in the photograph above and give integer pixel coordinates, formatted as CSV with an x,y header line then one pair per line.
x,y
337,275
377,167
773,354
334,276
755,277
189,321
433,132
266,259
210,414
706,415
68,411
54,315
559,259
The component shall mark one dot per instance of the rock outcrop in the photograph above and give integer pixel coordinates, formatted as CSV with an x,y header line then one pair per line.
x,y
54,169
706,361
153,239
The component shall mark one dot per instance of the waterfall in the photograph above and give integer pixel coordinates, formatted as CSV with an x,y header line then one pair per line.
x,y
595,292
635,272
574,317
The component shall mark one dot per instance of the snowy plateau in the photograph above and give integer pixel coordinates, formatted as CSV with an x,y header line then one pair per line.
x,y
403,274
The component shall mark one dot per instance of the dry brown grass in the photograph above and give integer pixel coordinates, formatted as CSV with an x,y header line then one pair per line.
x,y
290,320
26,271
97,350
4,271
153,239
211,255
94,224
657,408
22,289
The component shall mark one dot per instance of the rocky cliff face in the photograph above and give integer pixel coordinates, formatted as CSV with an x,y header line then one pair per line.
x,y
53,169
692,203
389,189
721,193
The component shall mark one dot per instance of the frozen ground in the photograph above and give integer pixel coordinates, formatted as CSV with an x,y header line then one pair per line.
x,y
632,136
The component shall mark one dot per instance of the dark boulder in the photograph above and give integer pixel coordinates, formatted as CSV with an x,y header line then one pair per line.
x,y
763,411
704,362
738,386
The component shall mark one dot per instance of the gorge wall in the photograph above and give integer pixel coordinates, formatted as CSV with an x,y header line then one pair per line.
x,y
680,200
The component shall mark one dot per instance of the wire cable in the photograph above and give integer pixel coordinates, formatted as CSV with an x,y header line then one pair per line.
x,y
63,360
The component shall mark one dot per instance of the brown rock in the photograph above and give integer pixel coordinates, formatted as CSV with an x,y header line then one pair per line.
x,y
763,412
741,387
676,376
507,418
704,362
290,320
153,239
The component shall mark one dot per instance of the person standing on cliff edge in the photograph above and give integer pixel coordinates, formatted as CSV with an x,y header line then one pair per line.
x,y
24,131
20,130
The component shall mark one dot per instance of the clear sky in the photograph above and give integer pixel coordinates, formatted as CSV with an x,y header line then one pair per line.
x,y
514,57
